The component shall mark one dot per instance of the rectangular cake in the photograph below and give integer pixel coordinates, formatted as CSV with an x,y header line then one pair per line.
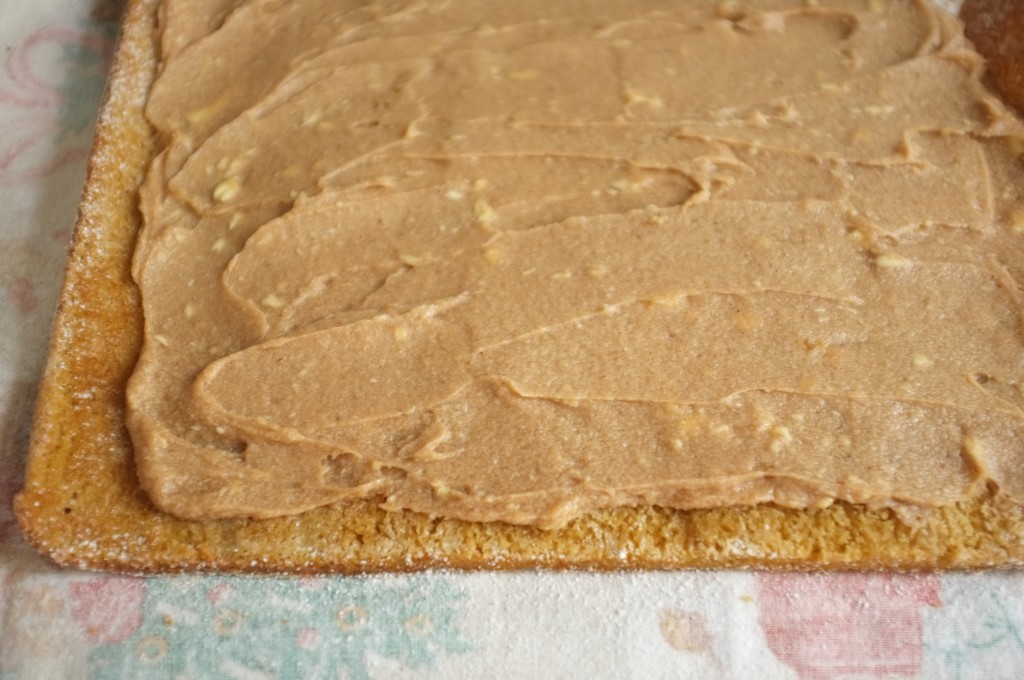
x,y
579,284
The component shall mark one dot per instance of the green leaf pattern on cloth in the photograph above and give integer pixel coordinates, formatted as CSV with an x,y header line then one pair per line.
x,y
85,75
202,627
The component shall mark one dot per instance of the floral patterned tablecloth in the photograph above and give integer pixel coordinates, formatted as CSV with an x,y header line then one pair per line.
x,y
58,623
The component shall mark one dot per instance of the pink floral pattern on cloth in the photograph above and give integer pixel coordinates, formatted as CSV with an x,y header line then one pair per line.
x,y
864,625
45,110
107,609
703,625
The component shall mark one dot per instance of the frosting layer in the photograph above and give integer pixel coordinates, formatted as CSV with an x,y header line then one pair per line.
x,y
519,261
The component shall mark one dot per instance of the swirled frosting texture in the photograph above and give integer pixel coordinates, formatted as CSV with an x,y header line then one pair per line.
x,y
518,261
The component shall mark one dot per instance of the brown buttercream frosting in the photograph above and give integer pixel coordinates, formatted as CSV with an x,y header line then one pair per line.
x,y
519,261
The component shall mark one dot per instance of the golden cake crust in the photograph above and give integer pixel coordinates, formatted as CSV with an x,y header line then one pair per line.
x,y
996,27
83,505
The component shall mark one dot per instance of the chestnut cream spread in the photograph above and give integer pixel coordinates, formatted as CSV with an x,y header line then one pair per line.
x,y
518,261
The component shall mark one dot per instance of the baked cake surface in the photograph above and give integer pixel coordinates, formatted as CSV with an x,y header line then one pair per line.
x,y
956,380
